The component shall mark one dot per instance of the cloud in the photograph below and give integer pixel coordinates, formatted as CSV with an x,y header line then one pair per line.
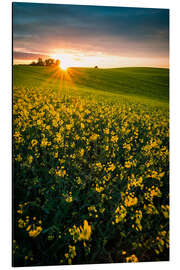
x,y
43,28
28,56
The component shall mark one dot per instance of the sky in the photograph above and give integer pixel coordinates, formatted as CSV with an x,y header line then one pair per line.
x,y
91,35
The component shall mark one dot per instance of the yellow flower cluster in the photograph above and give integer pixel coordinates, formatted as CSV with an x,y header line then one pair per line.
x,y
85,231
151,193
114,139
34,143
130,200
99,165
133,182
165,210
138,217
99,189
68,197
132,258
81,233
61,171
92,210
120,214
162,241
111,167
33,230
94,137
71,254
151,209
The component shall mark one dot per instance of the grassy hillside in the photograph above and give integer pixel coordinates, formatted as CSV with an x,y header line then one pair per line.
x,y
151,83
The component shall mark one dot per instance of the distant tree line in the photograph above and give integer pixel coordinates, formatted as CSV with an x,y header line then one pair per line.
x,y
47,62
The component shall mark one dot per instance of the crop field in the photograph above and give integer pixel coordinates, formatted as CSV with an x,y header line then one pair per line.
x,y
90,165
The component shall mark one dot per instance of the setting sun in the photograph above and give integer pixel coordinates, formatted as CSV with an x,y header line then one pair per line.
x,y
65,61
63,65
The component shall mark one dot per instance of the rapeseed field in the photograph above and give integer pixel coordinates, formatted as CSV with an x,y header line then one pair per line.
x,y
90,174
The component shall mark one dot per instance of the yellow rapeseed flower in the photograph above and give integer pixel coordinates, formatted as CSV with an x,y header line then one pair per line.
x,y
132,258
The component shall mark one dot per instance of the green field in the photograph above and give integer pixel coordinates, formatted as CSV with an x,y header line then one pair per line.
x,y
143,83
90,165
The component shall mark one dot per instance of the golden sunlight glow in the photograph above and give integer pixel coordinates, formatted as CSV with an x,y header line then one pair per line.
x,y
75,59
65,60
63,65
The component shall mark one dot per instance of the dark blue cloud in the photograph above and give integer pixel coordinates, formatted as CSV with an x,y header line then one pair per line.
x,y
28,56
108,28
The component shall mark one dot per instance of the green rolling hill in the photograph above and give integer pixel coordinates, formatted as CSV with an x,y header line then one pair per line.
x,y
142,84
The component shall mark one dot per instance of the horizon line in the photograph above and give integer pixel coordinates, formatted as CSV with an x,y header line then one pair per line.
x,y
98,66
